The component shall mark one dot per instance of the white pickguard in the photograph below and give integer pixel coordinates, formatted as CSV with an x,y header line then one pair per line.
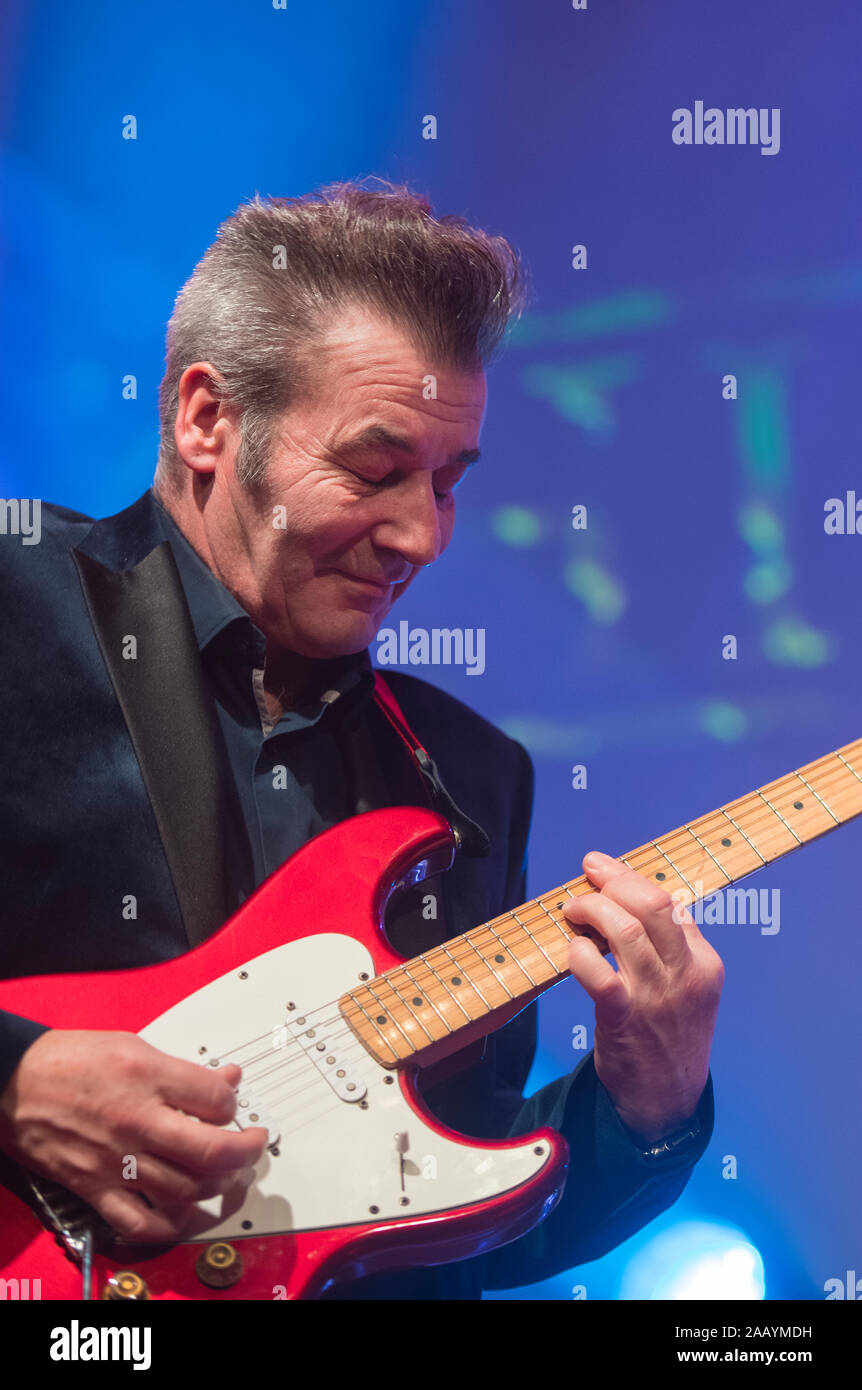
x,y
336,1160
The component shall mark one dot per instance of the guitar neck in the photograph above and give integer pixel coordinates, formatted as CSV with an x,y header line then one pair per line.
x,y
474,979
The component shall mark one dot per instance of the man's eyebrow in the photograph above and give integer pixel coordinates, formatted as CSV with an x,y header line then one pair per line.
x,y
379,437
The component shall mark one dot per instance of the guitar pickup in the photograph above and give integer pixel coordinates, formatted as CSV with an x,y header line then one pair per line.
x,y
250,1114
329,1059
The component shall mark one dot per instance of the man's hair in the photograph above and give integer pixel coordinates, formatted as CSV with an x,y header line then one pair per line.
x,y
263,297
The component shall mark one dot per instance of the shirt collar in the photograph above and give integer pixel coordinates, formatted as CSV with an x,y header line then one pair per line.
x,y
213,608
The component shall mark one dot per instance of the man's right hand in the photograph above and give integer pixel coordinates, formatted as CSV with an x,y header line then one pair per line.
x,y
80,1105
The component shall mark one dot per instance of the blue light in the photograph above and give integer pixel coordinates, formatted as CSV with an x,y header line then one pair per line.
x,y
694,1260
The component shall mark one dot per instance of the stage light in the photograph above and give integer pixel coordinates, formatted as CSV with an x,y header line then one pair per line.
x,y
694,1260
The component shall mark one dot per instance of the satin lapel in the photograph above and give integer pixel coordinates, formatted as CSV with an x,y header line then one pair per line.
x,y
171,720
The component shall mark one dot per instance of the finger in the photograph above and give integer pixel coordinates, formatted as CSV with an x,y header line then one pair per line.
x,y
129,1216
202,1148
629,942
208,1092
165,1184
653,907
584,928
605,986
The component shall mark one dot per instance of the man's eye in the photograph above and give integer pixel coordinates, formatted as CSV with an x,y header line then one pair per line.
x,y
372,482
441,496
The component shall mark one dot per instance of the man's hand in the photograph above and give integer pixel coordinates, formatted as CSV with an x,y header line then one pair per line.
x,y
655,1014
80,1104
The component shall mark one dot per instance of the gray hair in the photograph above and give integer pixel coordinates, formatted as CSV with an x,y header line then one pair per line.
x,y
258,304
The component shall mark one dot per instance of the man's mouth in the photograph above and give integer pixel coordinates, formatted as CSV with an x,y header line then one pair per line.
x,y
380,586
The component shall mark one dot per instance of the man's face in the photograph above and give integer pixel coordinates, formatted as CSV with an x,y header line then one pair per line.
x,y
358,495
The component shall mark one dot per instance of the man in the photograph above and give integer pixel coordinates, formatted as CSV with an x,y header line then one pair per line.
x,y
322,400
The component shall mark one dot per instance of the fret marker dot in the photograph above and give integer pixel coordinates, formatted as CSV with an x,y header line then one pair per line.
x,y
661,877
417,1000
381,1018
456,979
797,805
726,844
499,959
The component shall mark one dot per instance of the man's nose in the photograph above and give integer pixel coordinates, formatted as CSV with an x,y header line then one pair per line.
x,y
413,525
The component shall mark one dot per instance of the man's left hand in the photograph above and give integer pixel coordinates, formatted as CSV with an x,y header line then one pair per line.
x,y
655,1014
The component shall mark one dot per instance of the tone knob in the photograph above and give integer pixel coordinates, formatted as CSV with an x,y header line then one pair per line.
x,y
127,1286
219,1266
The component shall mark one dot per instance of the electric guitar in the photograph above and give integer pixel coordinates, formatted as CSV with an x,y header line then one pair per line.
x,y
331,1029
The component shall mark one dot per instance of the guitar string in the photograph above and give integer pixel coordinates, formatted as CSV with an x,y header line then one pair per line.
x,y
356,1044
444,996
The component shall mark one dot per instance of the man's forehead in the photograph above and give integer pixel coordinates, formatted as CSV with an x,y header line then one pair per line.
x,y
363,349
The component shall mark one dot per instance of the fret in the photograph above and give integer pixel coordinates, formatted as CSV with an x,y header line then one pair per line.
x,y
560,928
661,875
851,767
511,957
837,783
406,998
482,948
449,997
463,975
772,834
536,942
461,982
426,996
796,837
807,784
724,812
470,940
726,845
374,1028
804,816
390,1014
708,874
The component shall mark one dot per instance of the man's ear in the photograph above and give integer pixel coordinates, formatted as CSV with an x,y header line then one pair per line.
x,y
204,426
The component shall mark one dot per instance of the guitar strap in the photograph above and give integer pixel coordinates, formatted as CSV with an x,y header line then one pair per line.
x,y
472,839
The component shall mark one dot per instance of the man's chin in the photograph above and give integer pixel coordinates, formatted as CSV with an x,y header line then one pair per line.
x,y
335,642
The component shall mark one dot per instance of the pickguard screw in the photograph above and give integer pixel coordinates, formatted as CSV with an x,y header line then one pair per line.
x,y
291,1005
364,975
243,974
388,1080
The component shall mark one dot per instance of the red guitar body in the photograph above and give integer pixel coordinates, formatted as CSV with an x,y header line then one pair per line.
x,y
349,1187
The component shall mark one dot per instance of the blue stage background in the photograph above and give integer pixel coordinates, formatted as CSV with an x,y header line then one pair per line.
x,y
706,515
